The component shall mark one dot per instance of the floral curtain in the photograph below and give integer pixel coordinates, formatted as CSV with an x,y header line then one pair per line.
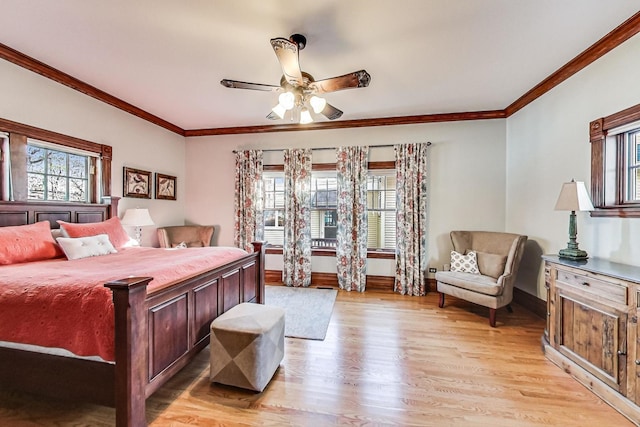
x,y
411,224
351,249
297,216
249,199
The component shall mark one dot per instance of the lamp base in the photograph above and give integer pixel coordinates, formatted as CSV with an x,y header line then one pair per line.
x,y
573,253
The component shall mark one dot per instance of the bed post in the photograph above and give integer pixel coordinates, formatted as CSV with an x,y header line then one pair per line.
x,y
259,246
130,350
113,202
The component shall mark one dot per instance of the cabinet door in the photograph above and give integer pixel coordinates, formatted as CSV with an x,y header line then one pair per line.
x,y
593,335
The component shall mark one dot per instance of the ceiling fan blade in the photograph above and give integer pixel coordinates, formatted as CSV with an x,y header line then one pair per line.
x,y
352,80
331,112
254,86
287,53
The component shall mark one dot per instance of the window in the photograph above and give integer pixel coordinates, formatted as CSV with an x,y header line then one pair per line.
x,y
632,142
56,175
615,164
381,207
273,184
324,217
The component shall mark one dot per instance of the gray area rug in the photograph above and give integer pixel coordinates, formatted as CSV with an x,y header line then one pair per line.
x,y
307,310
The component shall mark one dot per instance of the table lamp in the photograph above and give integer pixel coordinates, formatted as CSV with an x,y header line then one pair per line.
x,y
137,218
573,197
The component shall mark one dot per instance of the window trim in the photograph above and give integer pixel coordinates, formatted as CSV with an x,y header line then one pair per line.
x,y
598,132
102,151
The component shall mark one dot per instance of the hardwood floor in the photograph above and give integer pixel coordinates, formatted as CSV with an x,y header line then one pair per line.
x,y
387,360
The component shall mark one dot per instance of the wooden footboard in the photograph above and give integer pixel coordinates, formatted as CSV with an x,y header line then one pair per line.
x,y
155,335
158,335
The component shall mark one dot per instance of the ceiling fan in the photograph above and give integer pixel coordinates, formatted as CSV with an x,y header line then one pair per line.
x,y
299,90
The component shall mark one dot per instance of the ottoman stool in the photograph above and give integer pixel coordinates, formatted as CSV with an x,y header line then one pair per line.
x,y
247,345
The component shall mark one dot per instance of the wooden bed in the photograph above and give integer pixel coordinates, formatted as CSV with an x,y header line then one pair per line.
x,y
155,335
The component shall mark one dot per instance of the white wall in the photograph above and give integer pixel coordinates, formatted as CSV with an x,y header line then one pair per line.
x,y
548,144
28,98
466,167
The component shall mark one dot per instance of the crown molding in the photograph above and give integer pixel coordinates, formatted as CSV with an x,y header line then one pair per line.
x,y
342,124
56,75
613,39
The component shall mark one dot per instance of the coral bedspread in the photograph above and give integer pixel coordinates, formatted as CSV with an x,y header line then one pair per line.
x,y
64,304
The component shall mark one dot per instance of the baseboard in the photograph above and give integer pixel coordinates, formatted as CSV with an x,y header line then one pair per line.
x,y
530,302
330,280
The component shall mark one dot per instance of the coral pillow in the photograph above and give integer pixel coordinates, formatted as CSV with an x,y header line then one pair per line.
x,y
111,227
25,243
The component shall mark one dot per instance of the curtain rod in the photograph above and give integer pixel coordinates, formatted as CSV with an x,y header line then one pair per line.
x,y
333,148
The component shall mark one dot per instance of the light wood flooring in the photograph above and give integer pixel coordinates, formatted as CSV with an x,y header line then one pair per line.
x,y
387,360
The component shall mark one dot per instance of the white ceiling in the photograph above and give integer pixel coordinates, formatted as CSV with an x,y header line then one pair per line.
x,y
424,56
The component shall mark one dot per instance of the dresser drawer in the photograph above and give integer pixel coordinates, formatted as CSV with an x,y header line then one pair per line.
x,y
612,291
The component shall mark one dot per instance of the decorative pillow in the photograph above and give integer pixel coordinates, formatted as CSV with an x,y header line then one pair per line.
x,y
25,243
196,244
491,264
84,247
111,227
464,263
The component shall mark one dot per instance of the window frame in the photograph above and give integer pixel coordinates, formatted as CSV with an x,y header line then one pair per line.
x,y
19,133
599,130
67,177
331,252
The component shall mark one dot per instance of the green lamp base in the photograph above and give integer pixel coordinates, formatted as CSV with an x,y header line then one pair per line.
x,y
573,253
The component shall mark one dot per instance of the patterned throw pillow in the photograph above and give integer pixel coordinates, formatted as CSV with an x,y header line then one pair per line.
x,y
464,263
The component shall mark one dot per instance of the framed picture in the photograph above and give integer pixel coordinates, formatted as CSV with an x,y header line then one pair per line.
x,y
165,187
137,183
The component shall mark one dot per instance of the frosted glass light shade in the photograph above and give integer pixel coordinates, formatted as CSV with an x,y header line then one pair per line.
x,y
317,104
279,110
287,100
305,117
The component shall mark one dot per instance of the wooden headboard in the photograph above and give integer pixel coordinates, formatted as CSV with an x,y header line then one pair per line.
x,y
21,213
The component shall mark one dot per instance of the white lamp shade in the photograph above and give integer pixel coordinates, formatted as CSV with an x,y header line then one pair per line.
x,y
137,217
574,197
287,100
317,104
305,117
279,110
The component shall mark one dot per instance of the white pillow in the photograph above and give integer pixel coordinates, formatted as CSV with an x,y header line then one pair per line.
x,y
83,247
464,263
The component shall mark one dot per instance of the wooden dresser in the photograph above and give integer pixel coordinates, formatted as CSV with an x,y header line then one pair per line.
x,y
592,330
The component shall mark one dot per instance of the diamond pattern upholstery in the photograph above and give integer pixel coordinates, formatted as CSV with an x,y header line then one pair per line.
x,y
247,346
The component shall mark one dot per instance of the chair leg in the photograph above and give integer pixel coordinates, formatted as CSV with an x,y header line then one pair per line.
x,y
492,317
441,300
509,308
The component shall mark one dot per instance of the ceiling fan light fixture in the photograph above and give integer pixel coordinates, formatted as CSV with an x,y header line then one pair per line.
x,y
287,100
279,110
317,104
305,116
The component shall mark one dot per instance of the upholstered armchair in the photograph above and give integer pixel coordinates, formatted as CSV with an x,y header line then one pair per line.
x,y
191,236
496,260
